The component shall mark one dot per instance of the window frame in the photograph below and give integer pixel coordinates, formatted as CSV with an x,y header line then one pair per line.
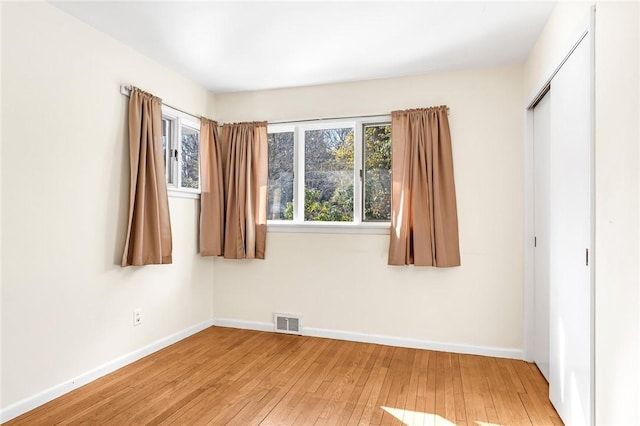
x,y
299,224
173,164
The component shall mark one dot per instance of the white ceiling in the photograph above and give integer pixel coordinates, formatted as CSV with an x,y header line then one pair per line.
x,y
234,46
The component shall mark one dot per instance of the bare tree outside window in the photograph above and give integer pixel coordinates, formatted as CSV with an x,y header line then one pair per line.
x,y
190,154
281,175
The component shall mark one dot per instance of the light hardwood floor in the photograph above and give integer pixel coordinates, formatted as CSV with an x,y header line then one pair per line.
x,y
239,377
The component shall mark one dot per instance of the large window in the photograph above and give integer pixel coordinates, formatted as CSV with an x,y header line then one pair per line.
x,y
330,171
181,147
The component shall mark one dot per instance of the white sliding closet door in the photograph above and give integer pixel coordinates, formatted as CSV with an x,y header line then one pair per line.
x,y
570,345
542,158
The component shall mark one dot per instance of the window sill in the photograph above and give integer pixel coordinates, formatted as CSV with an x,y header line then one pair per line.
x,y
178,193
372,228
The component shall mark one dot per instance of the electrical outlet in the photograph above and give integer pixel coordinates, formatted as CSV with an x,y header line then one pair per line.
x,y
137,316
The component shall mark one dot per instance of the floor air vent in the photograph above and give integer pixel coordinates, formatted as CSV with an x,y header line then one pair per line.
x,y
287,323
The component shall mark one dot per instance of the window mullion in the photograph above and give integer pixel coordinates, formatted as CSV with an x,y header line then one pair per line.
x,y
167,131
174,147
170,138
358,177
178,148
299,170
174,140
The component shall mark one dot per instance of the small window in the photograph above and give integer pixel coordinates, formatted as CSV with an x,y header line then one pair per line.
x,y
181,150
330,171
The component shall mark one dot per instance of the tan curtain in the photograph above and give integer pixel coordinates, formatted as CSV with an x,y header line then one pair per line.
x,y
424,221
212,188
149,232
245,165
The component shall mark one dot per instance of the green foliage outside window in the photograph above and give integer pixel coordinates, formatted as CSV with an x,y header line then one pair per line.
x,y
377,173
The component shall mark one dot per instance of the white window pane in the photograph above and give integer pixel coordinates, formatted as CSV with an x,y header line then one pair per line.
x,y
281,175
377,172
329,175
190,145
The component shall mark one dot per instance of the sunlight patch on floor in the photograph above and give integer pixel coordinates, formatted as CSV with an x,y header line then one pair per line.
x,y
416,418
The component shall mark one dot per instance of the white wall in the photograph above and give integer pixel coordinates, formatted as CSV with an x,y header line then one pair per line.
x,y
66,304
342,282
617,192
617,213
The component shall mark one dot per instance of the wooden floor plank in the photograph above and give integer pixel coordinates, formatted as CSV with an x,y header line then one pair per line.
x,y
441,409
448,390
509,408
367,402
421,368
458,392
401,370
226,376
430,395
374,414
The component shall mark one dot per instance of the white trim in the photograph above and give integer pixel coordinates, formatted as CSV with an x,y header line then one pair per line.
x,y
31,402
404,342
374,228
186,119
299,169
592,215
528,270
358,169
182,193
244,325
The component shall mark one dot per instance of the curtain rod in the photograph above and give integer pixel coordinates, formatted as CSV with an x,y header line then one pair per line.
x,y
327,118
125,89
335,118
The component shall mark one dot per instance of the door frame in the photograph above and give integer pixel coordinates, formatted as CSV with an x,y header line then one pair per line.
x,y
587,28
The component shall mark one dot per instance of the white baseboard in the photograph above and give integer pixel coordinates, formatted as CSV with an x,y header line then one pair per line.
x,y
245,325
403,342
47,395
